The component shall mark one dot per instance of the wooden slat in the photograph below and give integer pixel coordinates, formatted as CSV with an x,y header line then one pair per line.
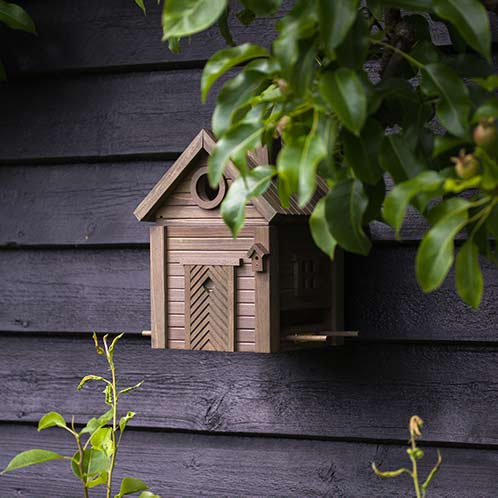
x,y
122,114
159,291
243,283
108,34
352,391
176,464
108,290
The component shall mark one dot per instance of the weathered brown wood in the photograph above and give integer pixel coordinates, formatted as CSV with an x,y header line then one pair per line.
x,y
267,303
355,391
187,306
206,259
183,464
159,286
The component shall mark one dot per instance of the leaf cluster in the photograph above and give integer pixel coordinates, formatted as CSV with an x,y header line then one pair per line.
x,y
355,93
97,443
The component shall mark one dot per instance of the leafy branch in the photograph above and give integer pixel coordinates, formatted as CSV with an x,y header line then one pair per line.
x,y
355,92
97,443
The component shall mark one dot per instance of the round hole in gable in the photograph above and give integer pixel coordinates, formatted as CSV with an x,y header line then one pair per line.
x,y
205,196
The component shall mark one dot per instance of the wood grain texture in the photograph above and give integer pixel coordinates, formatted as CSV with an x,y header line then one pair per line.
x,y
110,34
176,464
355,391
102,115
159,286
68,290
114,34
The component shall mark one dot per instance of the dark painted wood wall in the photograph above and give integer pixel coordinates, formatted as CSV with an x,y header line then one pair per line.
x,y
95,111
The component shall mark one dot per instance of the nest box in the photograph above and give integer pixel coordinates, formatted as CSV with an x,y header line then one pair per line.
x,y
268,290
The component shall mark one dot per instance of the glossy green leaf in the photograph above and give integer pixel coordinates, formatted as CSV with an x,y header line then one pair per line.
x,y
16,17
52,419
344,92
262,7
446,143
225,59
30,457
412,5
353,50
95,424
492,222
312,152
402,194
469,281
376,195
130,485
453,107
89,378
242,190
187,17
397,159
336,19
238,92
361,153
471,20
490,83
436,252
234,145
94,462
141,4
148,494
288,169
345,206
224,27
102,440
320,229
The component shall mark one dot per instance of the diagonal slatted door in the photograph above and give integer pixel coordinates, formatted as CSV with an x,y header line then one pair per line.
x,y
209,307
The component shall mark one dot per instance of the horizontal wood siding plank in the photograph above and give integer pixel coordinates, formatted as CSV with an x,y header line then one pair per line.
x,y
81,290
355,391
109,34
175,464
102,115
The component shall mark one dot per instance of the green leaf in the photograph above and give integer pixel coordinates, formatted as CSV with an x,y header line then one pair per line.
x,y
436,252
402,194
361,153
336,19
320,229
52,419
141,4
148,494
30,457
469,281
262,7
225,59
130,485
490,83
234,145
345,206
353,50
16,17
237,93
131,388
94,463
345,94
412,5
95,424
187,17
89,378
397,159
312,152
470,19
102,440
242,190
454,104
446,143
123,422
113,344
288,168
492,222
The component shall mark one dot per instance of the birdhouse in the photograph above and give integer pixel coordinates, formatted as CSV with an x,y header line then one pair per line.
x,y
270,289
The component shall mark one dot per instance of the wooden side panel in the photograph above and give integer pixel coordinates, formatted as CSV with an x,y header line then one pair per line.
x,y
267,293
211,243
159,286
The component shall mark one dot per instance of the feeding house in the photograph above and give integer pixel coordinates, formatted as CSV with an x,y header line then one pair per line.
x,y
268,290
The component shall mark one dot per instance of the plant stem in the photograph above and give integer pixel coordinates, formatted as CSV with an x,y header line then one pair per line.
x,y
409,58
114,427
414,469
80,464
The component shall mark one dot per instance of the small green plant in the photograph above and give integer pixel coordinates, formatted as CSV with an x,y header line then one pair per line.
x,y
415,455
97,443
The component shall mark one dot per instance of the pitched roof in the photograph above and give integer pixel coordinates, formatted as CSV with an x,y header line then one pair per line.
x,y
268,204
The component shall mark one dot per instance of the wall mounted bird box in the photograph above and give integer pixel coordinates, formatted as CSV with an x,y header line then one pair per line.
x,y
268,290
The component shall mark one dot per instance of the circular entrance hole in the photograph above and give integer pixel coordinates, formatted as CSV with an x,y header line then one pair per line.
x,y
203,194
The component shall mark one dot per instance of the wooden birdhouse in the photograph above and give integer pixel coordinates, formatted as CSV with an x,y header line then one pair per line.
x,y
267,290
